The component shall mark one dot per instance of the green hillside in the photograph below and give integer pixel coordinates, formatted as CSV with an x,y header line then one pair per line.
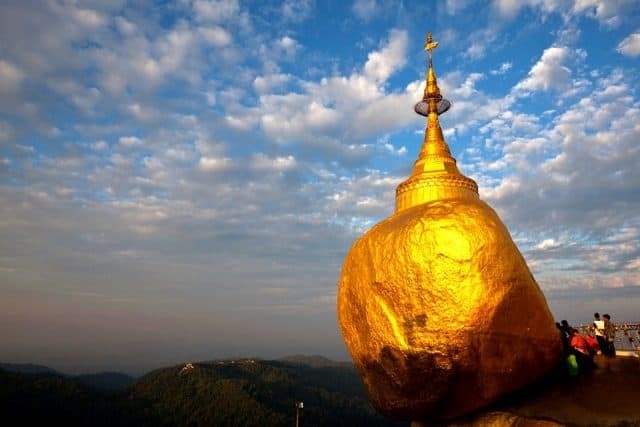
x,y
257,393
217,393
52,399
105,381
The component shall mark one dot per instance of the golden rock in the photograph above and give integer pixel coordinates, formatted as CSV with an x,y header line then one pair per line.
x,y
436,304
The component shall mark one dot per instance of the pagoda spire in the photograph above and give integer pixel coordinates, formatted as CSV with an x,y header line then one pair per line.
x,y
435,175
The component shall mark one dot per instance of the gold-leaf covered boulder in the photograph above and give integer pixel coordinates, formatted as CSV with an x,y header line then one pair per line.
x,y
436,304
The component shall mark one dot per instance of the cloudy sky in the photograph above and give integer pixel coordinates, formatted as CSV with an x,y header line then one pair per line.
x,y
182,180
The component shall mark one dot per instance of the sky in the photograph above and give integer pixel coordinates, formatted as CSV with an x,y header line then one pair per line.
x,y
181,181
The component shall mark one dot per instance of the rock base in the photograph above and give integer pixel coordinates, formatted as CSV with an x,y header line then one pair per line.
x,y
608,396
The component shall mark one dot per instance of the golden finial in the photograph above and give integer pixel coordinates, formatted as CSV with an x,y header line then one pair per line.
x,y
430,45
431,90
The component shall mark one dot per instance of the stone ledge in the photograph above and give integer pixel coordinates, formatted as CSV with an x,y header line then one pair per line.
x,y
609,396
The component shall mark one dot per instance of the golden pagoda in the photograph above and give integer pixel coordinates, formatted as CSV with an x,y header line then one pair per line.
x,y
437,306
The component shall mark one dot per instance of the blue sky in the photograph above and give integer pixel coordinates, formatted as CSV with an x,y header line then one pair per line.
x,y
182,180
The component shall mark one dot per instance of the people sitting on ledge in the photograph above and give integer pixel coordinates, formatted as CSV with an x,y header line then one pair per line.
x,y
580,348
577,350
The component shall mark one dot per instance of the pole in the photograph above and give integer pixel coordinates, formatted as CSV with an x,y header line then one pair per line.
x,y
299,405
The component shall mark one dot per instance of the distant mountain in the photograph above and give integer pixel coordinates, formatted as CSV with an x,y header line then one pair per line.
x,y
51,399
101,381
243,392
105,381
28,368
315,361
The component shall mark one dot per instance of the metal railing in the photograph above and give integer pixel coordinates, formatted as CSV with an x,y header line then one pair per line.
x,y
627,336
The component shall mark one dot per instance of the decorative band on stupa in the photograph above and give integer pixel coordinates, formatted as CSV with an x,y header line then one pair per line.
x,y
435,175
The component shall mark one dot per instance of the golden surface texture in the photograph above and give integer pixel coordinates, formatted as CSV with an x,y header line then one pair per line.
x,y
440,312
436,304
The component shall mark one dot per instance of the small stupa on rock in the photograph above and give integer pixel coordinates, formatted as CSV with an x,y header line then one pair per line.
x,y
436,304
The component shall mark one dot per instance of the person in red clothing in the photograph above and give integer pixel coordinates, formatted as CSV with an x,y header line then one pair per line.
x,y
578,342
580,348
592,344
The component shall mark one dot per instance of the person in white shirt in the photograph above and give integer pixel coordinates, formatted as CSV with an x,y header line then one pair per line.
x,y
598,326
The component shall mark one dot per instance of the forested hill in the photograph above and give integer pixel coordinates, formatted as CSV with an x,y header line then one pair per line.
x,y
242,392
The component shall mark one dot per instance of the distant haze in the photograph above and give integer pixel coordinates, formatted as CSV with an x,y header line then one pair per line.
x,y
135,343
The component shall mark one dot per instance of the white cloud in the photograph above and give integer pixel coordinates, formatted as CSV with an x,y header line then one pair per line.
x,y
384,141
298,120
82,97
633,266
214,164
180,154
504,67
467,88
607,12
381,64
365,9
175,48
385,114
549,73
6,132
149,68
355,105
509,8
100,145
125,27
364,196
130,141
215,10
588,149
262,163
479,41
454,6
547,244
215,35
470,105
142,113
120,160
143,63
210,97
10,77
264,84
288,46
630,46
87,17
240,122
296,10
